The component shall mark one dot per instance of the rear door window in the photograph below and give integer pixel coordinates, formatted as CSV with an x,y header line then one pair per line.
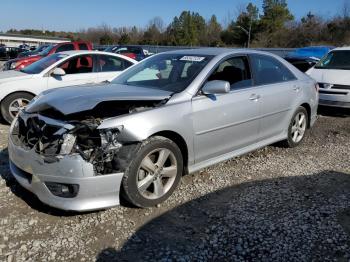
x,y
107,63
65,47
83,46
268,70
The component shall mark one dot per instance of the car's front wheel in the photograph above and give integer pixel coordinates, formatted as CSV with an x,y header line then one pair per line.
x,y
297,128
154,173
13,103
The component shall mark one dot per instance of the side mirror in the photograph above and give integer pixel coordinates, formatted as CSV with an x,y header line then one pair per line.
x,y
216,87
58,72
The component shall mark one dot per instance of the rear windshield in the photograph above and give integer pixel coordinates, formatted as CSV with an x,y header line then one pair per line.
x,y
335,60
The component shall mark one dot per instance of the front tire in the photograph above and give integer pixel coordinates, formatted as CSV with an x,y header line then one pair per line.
x,y
297,128
154,173
13,103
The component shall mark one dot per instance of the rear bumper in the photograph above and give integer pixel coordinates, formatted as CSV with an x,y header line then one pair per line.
x,y
95,192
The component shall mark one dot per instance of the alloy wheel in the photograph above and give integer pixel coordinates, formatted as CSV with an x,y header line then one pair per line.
x,y
157,173
298,127
17,105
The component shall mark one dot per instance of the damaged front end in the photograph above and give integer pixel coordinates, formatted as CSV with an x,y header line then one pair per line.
x,y
54,138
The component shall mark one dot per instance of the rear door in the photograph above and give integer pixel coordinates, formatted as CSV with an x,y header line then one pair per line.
x,y
279,90
226,122
109,67
79,71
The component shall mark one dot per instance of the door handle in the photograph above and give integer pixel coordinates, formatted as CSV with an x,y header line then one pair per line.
x,y
254,97
296,88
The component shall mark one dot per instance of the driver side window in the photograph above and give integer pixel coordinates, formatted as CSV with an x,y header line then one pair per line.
x,y
234,70
78,65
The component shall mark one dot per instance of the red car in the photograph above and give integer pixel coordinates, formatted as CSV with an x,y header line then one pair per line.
x,y
22,62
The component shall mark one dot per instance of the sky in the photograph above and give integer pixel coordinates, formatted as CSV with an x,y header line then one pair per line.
x,y
73,15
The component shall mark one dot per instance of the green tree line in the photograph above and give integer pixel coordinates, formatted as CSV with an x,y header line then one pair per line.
x,y
271,25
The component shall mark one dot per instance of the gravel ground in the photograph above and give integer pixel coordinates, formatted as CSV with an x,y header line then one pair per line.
x,y
273,204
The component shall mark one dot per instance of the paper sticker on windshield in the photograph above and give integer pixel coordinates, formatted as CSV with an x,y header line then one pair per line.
x,y
193,58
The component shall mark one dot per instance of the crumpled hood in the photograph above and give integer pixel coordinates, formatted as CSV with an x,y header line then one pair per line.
x,y
13,75
74,99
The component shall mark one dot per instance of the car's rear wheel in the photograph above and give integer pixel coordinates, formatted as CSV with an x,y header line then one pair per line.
x,y
297,128
13,103
154,173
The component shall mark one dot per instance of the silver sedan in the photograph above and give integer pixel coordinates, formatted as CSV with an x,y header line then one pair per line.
x,y
82,148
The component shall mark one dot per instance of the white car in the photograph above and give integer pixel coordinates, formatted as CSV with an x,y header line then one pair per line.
x,y
69,68
333,76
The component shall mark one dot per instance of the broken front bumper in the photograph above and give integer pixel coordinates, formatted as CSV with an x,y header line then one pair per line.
x,y
95,192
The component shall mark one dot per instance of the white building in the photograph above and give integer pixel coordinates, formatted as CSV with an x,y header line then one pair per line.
x,y
14,40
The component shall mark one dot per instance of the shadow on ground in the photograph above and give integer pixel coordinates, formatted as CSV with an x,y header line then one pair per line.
x,y
299,218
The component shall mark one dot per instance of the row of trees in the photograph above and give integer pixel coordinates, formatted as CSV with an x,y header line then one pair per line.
x,y
273,26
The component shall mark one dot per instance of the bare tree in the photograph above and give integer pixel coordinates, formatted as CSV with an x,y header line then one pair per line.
x,y
158,23
345,10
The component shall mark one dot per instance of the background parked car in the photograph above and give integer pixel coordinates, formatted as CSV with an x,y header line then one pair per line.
x,y
7,53
34,52
20,63
57,70
306,57
333,76
134,52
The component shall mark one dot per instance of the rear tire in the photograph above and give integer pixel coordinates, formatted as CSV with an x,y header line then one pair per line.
x,y
154,173
297,128
13,103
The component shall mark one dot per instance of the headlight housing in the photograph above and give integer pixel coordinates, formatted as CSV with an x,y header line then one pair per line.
x,y
68,144
13,66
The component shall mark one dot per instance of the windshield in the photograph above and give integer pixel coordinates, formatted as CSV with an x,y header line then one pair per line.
x,y
38,66
170,72
46,51
335,60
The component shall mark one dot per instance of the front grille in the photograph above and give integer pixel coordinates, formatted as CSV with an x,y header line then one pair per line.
x,y
332,92
32,132
330,86
341,87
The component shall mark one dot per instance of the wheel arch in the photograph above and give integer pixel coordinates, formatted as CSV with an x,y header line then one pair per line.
x,y
308,110
179,141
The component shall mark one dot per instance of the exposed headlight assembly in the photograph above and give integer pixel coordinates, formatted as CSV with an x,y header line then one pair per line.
x,y
109,138
68,144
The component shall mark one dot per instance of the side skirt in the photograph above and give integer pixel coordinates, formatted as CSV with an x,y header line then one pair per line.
x,y
236,153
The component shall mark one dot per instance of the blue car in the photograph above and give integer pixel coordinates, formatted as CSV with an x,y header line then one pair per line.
x,y
306,57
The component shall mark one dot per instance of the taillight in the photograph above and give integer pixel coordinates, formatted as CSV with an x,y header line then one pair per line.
x,y
317,87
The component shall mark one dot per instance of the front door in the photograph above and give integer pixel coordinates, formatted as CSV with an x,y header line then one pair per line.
x,y
79,71
226,122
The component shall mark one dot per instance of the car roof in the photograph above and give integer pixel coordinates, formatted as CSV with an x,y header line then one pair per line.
x,y
217,51
345,48
92,52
